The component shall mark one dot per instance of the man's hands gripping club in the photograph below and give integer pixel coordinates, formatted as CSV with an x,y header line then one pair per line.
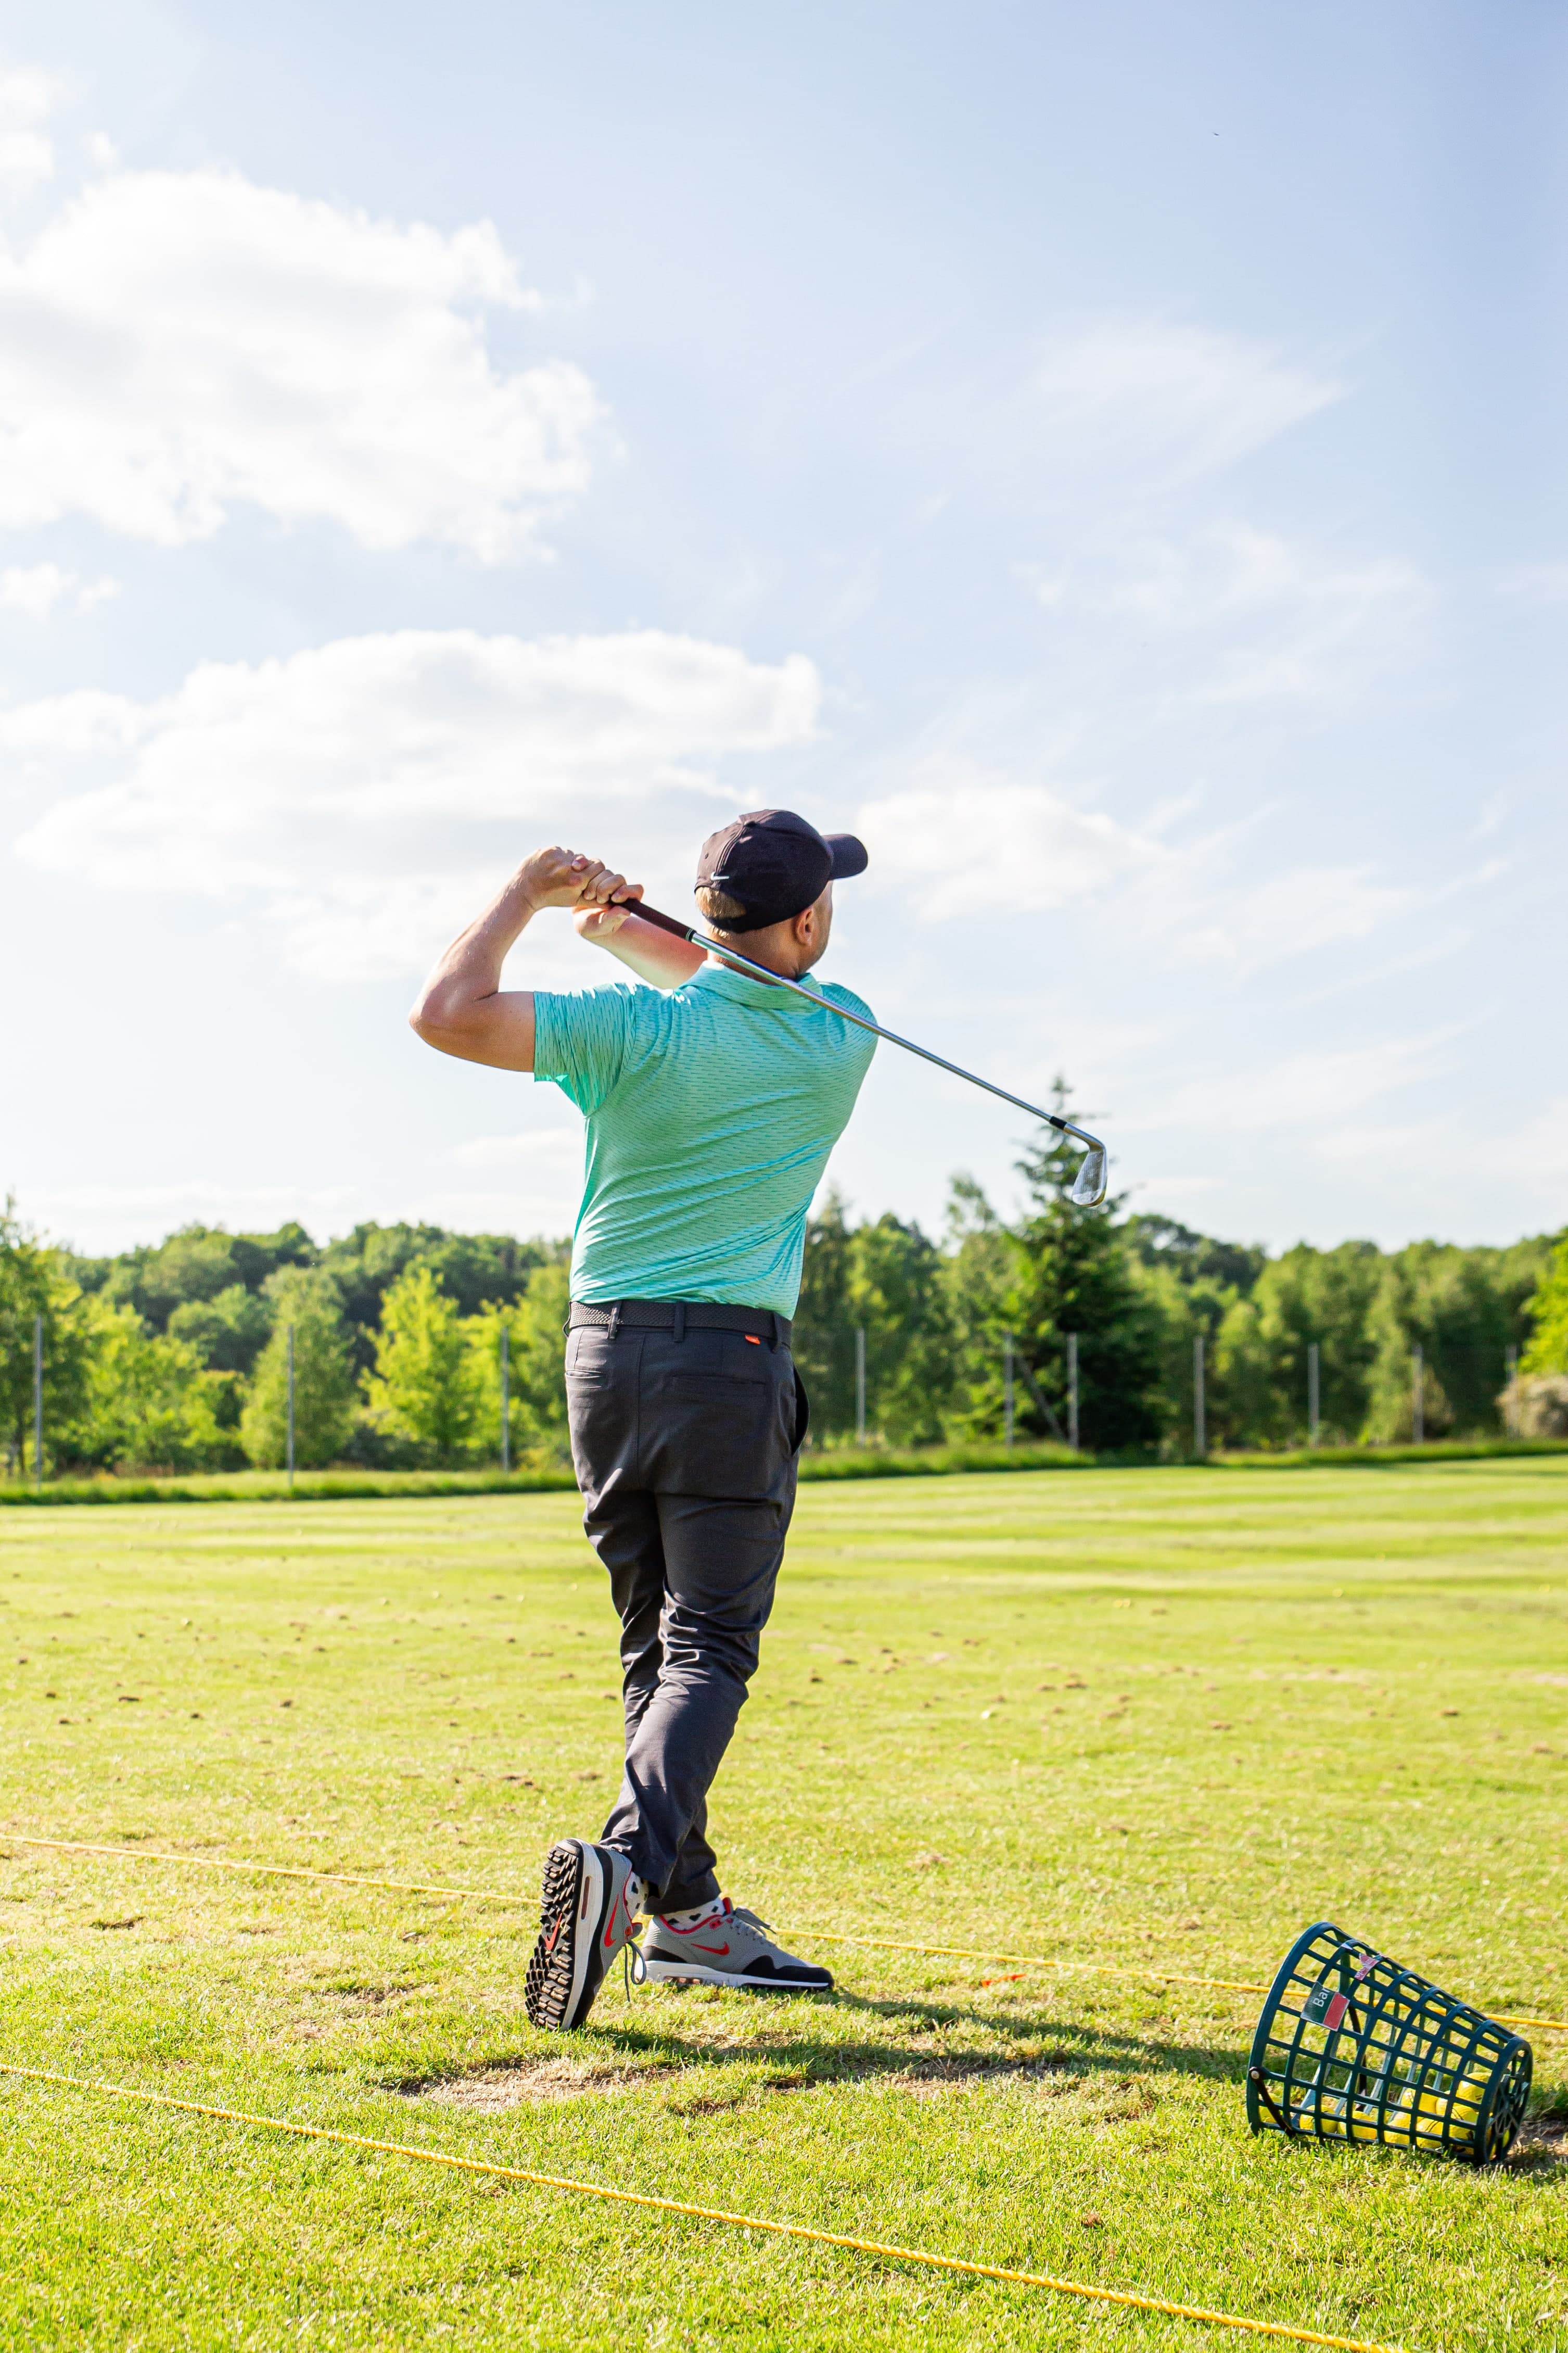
x,y
462,1009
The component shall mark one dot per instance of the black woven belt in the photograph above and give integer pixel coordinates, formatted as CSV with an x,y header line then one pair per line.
x,y
683,1316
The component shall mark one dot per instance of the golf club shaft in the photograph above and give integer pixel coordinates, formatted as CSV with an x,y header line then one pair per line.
x,y
722,948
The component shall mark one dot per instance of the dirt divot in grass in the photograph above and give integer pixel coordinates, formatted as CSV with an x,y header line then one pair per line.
x,y
701,2087
1542,2144
495,2089
926,2075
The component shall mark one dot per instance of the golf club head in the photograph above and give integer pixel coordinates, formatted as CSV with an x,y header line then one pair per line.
x,y
1089,1184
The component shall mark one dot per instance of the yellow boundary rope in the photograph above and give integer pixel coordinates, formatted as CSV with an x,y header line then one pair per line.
x,y
1092,2294
272,1870
825,1936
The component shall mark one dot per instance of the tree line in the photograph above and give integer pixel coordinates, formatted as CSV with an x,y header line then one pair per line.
x,y
1456,1341
177,1355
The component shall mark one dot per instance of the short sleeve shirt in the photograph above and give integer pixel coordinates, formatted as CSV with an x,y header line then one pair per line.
x,y
710,1111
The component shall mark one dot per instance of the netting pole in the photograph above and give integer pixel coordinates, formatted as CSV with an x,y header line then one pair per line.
x,y
1072,1390
1417,1399
1200,1427
37,1400
291,1446
1510,1393
1007,1388
1313,1393
859,1385
505,1398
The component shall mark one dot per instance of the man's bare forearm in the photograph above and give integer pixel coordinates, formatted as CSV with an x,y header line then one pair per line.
x,y
462,1009
469,970
655,956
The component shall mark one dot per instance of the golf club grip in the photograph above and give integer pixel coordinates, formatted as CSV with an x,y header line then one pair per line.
x,y
660,923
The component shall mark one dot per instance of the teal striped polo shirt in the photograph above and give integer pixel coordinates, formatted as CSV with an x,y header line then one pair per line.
x,y
711,1112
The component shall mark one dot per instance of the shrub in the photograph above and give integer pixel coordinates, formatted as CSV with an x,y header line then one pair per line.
x,y
150,1403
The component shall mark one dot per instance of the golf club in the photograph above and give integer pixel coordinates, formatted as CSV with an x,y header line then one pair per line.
x,y
1089,1186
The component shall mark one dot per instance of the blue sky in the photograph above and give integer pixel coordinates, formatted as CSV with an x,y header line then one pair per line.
x,y
1113,458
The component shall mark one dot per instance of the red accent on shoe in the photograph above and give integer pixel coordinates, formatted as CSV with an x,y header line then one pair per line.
x,y
696,1927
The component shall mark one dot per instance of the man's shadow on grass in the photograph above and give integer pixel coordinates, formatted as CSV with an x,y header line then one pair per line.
x,y
1034,2047
1057,2048
1060,2051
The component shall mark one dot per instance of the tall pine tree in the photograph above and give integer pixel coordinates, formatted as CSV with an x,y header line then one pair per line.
x,y
1078,1274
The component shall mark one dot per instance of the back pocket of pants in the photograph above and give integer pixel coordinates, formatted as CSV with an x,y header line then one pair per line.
x,y
722,1426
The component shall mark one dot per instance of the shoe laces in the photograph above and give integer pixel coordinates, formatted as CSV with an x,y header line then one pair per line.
x,y
634,1966
753,1926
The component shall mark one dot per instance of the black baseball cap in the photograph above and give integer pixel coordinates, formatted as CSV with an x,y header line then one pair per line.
x,y
775,864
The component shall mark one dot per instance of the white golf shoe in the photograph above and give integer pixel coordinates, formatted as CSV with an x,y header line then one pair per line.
x,y
724,1947
590,1903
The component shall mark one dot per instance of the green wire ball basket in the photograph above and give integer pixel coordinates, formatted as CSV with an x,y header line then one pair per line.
x,y
1350,2047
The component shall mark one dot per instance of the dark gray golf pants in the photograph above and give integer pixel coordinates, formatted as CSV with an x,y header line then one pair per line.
x,y
685,1438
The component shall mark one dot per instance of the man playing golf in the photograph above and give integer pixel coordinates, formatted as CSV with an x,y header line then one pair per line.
x,y
712,1101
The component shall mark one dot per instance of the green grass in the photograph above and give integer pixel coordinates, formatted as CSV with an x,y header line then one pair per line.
x,y
541,1478
876,1462
1154,1718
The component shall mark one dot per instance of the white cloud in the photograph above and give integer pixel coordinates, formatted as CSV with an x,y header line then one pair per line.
x,y
1225,569
110,1217
1208,610
1263,919
26,154
371,789
1316,1089
550,1215
1284,620
176,343
83,722
961,837
348,926
1533,583
1140,397
552,1151
961,840
104,1217
1175,1189
1339,628
542,1172
1541,1148
37,588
